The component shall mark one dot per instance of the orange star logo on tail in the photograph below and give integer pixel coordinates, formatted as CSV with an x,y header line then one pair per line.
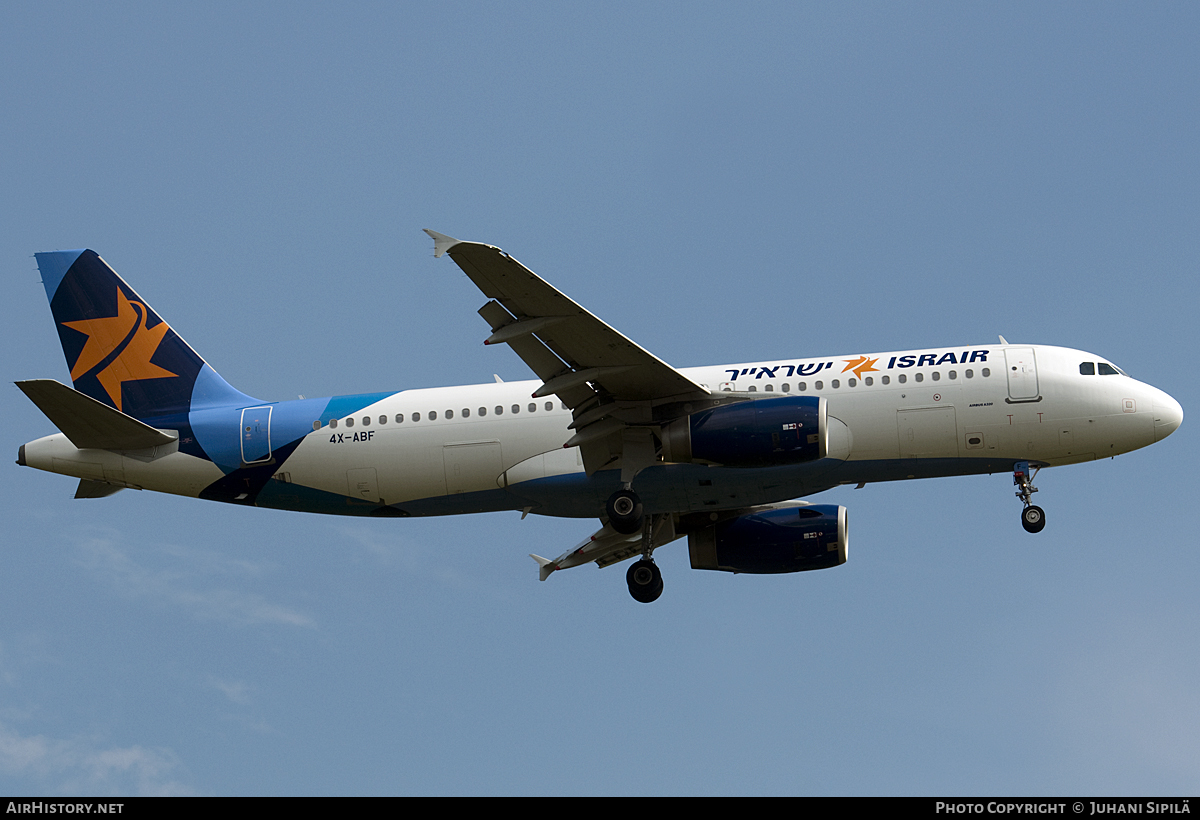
x,y
127,336
860,365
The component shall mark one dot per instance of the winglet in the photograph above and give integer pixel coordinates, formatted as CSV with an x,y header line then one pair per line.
x,y
441,242
545,565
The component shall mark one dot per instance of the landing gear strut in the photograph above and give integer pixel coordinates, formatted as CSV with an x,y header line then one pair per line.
x,y
644,577
1033,518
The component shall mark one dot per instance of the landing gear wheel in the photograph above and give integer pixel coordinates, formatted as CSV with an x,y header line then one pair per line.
x,y
645,581
1033,518
624,510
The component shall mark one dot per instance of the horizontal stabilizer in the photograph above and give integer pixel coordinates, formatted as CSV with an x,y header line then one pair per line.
x,y
90,424
95,489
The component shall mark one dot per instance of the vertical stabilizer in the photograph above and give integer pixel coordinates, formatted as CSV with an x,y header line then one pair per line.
x,y
119,351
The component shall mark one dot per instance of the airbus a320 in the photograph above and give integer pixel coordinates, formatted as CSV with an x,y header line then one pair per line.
x,y
725,455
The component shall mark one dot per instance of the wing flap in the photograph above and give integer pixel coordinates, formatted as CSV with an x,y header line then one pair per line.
x,y
605,547
95,489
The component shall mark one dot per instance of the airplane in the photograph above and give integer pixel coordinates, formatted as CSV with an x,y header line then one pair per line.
x,y
724,455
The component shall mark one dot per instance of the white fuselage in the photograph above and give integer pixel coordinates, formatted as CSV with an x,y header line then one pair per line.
x,y
480,447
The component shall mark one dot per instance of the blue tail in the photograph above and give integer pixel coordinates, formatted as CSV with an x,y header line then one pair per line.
x,y
119,351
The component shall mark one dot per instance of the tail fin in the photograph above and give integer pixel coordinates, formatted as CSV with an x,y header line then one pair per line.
x,y
118,349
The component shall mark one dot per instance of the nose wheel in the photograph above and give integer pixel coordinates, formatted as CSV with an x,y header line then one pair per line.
x,y
1033,517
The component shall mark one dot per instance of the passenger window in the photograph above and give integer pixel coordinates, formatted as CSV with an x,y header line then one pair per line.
x,y
1107,369
751,389
802,386
550,406
836,384
985,372
902,378
562,403
383,419
970,374
886,380
851,383
769,389
399,418
785,387
333,423
953,375
366,421
516,408
416,416
483,411
350,422
532,407
499,410
820,385
317,424
433,415
449,414
1087,368
868,381
466,412
936,376
920,377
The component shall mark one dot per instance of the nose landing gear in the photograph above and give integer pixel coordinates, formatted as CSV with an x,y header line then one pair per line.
x,y
1033,518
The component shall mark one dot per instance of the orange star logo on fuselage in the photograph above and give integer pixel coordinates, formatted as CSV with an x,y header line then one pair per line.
x,y
126,335
860,365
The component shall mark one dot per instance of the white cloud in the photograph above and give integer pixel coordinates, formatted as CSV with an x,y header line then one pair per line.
x,y
182,582
236,691
77,766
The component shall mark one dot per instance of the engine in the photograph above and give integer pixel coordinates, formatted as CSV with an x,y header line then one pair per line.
x,y
755,433
773,539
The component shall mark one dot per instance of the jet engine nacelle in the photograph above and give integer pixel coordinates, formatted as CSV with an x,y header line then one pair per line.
x,y
773,539
755,433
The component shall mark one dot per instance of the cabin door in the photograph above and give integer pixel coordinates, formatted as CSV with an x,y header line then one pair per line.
x,y
1022,373
256,435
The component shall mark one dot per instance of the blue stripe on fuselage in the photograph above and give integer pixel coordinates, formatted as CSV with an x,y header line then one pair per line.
x,y
218,429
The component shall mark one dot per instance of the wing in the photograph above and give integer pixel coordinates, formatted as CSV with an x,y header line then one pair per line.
x,y
606,546
616,389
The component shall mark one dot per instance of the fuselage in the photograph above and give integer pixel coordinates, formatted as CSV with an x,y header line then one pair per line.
x,y
474,448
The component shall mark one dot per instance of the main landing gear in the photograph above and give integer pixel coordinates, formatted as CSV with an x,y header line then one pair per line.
x,y
645,581
624,510
1033,518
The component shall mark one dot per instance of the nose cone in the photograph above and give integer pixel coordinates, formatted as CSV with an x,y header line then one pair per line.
x,y
1168,415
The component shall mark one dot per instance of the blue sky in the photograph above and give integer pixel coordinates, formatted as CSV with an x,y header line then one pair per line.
x,y
720,183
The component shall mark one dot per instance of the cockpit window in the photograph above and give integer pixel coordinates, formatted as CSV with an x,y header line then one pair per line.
x,y
1108,370
1087,369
